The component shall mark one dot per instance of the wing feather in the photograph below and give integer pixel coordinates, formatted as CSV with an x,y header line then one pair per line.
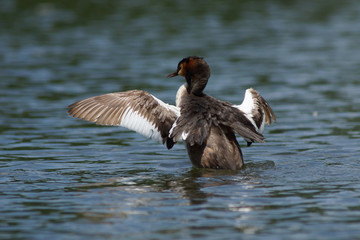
x,y
137,110
198,114
257,110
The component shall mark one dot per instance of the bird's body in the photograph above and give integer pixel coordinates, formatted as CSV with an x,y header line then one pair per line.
x,y
205,124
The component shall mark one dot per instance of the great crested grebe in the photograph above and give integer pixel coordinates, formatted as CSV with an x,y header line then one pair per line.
x,y
205,124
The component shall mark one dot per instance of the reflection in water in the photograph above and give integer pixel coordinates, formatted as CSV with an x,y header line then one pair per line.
x,y
189,185
143,194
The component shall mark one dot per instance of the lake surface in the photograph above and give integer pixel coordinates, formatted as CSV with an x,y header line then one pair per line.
x,y
63,178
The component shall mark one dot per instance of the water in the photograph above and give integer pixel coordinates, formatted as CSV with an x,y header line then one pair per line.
x,y
63,178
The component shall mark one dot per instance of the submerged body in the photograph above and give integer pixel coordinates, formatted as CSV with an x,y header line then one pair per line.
x,y
206,125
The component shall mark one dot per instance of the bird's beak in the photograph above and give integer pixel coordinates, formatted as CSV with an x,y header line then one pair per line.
x,y
172,74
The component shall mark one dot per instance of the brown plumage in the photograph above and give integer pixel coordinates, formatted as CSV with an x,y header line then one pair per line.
x,y
261,104
109,109
207,125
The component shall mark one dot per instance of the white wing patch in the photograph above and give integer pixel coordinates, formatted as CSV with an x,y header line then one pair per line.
x,y
134,121
256,109
247,106
172,108
135,109
184,135
248,103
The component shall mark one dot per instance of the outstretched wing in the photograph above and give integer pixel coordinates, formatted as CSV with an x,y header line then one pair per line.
x,y
136,110
257,110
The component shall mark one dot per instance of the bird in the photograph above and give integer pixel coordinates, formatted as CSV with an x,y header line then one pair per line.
x,y
207,126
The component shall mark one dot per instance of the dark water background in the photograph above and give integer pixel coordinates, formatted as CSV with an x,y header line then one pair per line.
x,y
62,178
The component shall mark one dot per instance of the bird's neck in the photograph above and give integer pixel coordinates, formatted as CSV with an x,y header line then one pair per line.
x,y
196,86
180,93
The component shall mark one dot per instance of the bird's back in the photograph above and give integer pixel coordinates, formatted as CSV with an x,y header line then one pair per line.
x,y
220,150
208,127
